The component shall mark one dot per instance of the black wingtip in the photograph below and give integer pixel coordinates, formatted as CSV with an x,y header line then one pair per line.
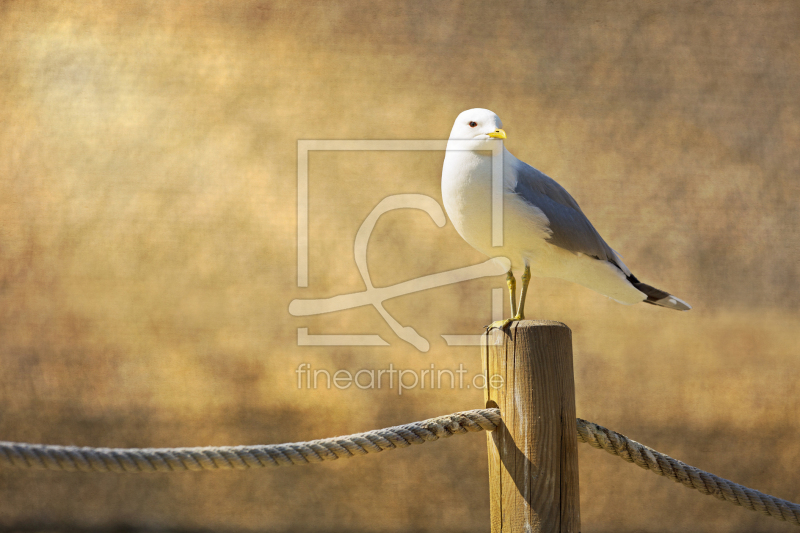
x,y
659,297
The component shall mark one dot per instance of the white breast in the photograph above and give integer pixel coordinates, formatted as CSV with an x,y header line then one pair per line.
x,y
467,195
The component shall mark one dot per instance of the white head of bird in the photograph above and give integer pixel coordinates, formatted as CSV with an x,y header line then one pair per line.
x,y
477,124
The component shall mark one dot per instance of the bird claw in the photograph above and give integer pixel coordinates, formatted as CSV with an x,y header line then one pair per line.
x,y
502,324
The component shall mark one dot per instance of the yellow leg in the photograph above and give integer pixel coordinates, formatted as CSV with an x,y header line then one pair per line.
x,y
526,278
512,292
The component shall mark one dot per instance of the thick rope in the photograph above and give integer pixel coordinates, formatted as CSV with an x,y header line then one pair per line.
x,y
664,465
135,460
73,459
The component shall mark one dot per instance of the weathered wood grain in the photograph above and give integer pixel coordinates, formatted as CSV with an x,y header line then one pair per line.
x,y
533,456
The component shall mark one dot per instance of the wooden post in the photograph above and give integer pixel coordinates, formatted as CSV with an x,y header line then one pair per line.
x,y
533,455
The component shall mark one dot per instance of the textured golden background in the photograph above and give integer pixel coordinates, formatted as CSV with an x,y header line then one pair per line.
x,y
147,247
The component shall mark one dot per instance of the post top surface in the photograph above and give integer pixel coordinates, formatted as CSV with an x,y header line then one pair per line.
x,y
528,327
537,323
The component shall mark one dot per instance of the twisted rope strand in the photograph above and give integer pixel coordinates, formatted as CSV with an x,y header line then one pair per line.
x,y
694,478
75,459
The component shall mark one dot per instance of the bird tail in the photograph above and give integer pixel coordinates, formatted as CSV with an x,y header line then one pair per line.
x,y
659,297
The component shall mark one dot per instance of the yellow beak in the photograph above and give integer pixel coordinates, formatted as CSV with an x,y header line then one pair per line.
x,y
498,134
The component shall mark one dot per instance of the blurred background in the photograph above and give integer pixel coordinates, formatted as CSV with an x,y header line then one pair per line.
x,y
148,181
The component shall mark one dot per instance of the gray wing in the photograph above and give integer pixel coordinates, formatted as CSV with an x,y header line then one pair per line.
x,y
571,229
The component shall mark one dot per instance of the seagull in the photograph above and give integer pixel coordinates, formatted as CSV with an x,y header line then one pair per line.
x,y
545,233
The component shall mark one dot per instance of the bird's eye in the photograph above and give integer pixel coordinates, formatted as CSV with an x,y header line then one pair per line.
x,y
473,124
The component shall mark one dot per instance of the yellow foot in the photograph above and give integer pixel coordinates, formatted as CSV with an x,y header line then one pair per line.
x,y
503,324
